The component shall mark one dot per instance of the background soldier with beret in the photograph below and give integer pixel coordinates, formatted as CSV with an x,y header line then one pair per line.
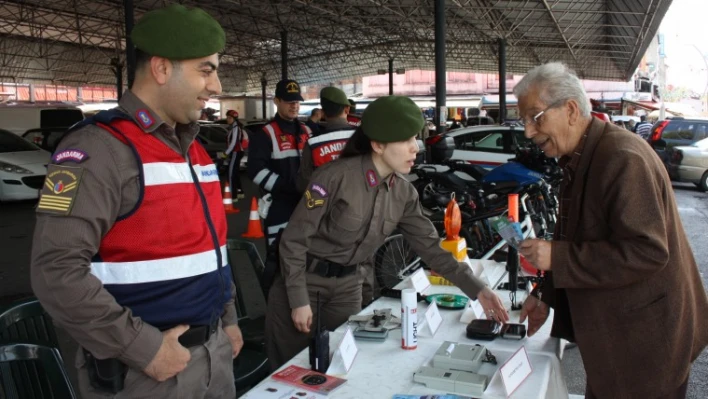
x,y
129,251
350,206
353,118
273,161
326,144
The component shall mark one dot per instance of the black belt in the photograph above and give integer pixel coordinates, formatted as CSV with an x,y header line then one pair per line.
x,y
328,269
198,335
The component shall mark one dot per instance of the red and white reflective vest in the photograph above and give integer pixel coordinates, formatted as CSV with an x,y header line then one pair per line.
x,y
286,150
326,147
166,259
353,120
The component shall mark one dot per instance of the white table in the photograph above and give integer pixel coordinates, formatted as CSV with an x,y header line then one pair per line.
x,y
382,369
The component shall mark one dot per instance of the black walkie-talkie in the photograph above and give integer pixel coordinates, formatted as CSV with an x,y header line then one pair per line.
x,y
319,345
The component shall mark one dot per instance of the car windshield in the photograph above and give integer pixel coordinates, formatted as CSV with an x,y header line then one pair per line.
x,y
10,142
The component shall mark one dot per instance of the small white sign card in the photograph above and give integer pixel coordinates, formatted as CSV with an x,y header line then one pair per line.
x,y
433,318
473,310
515,370
343,358
420,280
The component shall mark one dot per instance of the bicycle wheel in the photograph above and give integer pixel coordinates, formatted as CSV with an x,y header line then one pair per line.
x,y
394,261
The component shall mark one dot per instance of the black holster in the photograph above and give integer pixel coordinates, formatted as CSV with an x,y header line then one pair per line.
x,y
105,375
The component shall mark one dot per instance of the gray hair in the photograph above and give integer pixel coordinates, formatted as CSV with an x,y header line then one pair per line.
x,y
556,83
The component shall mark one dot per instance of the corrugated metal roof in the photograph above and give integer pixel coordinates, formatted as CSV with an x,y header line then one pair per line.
x,y
74,41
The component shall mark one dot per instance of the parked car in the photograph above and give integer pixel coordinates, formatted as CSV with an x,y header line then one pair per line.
x,y
255,125
45,138
23,167
676,131
21,117
624,121
214,139
689,163
487,146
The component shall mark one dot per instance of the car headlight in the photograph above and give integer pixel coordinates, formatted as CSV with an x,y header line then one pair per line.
x,y
8,167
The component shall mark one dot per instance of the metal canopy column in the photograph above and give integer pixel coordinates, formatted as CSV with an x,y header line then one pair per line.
x,y
117,67
129,50
284,54
440,78
390,76
502,80
264,82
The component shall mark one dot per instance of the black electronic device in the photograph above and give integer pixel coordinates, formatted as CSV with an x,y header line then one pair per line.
x,y
512,267
513,331
319,345
490,329
483,329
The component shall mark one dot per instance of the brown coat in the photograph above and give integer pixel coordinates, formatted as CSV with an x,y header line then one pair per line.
x,y
627,274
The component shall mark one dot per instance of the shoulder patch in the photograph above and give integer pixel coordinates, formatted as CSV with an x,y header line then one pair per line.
x,y
311,202
319,190
371,178
144,117
59,190
71,154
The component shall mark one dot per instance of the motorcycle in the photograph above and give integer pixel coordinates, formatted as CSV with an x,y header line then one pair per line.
x,y
530,173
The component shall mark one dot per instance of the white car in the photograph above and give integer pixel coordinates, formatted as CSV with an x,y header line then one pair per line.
x,y
488,146
23,167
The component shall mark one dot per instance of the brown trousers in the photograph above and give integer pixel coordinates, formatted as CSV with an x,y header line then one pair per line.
x,y
209,374
340,298
679,393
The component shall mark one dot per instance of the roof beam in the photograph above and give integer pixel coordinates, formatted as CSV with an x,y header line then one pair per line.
x,y
560,30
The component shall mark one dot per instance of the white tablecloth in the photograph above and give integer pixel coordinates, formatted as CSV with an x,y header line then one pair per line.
x,y
382,369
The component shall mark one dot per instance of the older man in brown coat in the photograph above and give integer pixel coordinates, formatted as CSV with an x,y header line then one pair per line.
x,y
620,273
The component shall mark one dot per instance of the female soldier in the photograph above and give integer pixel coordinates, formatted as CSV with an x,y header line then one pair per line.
x,y
349,208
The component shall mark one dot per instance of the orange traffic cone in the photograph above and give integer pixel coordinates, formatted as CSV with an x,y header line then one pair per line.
x,y
254,229
228,200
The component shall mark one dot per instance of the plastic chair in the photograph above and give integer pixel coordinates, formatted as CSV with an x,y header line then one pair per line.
x,y
27,322
251,366
29,371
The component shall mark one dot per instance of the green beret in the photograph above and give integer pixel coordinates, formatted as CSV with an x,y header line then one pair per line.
x,y
334,95
392,118
178,33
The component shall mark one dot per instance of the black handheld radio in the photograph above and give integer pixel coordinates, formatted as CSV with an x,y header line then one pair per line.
x,y
319,345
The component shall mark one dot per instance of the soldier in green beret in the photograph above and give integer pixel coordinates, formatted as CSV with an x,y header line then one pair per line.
x,y
129,252
349,208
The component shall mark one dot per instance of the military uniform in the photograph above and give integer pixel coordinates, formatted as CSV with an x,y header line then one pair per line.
x,y
107,239
274,159
273,163
347,212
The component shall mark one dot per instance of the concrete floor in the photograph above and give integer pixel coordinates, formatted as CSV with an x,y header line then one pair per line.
x,y
17,224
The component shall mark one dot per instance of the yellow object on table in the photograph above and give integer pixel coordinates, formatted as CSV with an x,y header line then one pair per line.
x,y
439,280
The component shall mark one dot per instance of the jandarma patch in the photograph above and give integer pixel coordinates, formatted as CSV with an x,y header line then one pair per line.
x,y
312,203
319,190
59,191
72,155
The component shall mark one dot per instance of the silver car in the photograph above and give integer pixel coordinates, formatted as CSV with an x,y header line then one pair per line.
x,y
689,163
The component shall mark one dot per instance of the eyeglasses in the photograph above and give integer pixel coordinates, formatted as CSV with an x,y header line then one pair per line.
x,y
534,120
